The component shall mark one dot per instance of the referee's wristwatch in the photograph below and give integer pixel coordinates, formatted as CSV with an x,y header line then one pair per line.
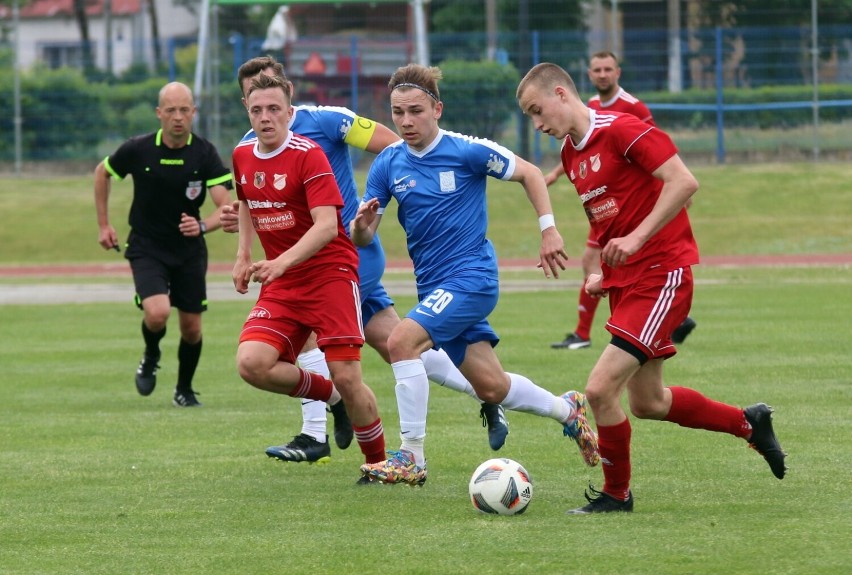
x,y
203,227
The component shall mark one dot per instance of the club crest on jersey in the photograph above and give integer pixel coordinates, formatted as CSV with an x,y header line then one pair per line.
x,y
596,162
448,181
583,169
495,164
279,181
259,179
193,190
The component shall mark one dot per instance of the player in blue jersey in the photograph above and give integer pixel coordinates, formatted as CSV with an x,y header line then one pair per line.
x,y
336,129
438,179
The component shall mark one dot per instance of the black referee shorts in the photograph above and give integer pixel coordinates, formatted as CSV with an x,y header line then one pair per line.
x,y
180,274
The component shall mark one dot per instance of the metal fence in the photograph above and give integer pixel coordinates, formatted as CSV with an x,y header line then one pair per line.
x,y
355,67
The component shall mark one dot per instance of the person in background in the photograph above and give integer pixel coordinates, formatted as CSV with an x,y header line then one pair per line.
x,y
337,131
290,200
173,170
438,178
634,188
604,73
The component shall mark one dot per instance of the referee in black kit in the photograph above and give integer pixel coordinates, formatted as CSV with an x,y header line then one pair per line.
x,y
173,170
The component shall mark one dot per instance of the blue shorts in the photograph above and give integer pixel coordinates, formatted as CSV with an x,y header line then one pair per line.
x,y
371,267
455,314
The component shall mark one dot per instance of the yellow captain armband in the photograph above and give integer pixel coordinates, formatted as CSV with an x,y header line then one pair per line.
x,y
360,133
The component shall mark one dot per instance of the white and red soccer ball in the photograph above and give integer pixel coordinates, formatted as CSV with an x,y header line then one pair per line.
x,y
500,486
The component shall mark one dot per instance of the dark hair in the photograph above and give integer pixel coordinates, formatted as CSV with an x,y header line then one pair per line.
x,y
265,81
604,54
255,66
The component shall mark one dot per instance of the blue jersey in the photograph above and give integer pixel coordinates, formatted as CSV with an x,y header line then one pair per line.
x,y
328,126
442,207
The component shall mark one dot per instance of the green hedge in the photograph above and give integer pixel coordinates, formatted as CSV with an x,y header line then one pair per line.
x,y
66,116
479,97
783,118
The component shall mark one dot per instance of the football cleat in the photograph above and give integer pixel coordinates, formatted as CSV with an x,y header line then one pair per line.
x,y
578,428
146,375
342,425
683,330
600,502
186,399
494,418
400,468
763,438
302,448
572,341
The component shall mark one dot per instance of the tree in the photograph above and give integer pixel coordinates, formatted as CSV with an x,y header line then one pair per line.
x,y
83,23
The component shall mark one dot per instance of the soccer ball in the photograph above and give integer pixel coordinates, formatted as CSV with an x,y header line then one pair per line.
x,y
500,486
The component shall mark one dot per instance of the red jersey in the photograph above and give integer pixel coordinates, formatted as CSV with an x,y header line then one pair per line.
x,y
625,103
611,169
280,189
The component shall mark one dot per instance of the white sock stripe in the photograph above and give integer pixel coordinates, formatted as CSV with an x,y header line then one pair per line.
x,y
369,434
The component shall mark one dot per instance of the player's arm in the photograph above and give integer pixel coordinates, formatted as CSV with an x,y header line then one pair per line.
x,y
221,197
369,135
240,273
554,174
552,252
363,226
106,234
678,187
323,230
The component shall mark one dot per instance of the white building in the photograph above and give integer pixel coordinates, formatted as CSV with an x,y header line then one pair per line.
x,y
119,30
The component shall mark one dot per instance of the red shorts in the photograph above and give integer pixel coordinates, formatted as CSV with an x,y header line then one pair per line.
x,y
285,317
646,312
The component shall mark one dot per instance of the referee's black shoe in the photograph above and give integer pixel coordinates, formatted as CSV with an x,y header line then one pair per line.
x,y
146,375
763,438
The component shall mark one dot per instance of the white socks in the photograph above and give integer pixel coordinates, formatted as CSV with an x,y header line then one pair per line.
x,y
412,401
526,396
441,370
314,415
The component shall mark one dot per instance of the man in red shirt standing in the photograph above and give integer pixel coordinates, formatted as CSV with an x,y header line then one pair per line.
x,y
604,73
634,188
290,199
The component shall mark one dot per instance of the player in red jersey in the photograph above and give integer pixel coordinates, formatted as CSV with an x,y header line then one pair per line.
x,y
290,199
604,73
634,188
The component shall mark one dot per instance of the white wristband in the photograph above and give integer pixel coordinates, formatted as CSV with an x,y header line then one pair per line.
x,y
546,221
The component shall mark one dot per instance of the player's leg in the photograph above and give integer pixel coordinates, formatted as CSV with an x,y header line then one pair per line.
x,y
580,338
345,364
380,318
517,392
333,311
188,293
407,465
189,354
150,278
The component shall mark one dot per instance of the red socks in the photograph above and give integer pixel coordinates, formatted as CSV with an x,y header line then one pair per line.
x,y
586,313
312,386
371,439
694,410
614,445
